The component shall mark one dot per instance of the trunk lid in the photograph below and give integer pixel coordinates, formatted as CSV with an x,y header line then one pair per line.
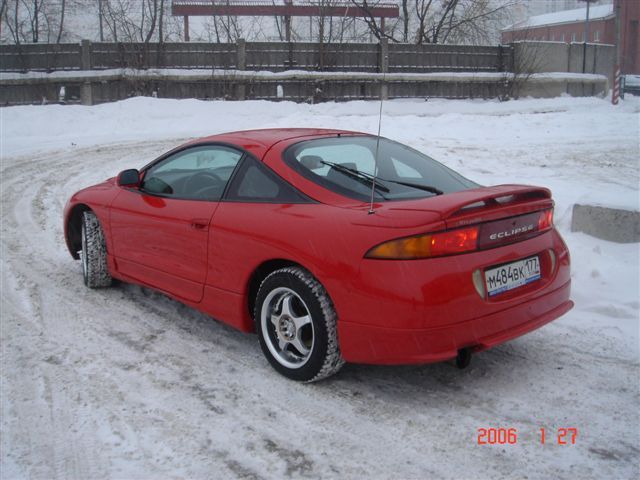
x,y
486,205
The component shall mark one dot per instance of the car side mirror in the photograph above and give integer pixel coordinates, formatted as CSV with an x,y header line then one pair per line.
x,y
128,178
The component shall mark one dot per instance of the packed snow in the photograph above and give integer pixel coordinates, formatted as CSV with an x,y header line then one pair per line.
x,y
126,383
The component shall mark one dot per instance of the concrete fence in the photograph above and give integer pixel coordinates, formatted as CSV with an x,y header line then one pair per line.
x,y
542,57
102,72
270,56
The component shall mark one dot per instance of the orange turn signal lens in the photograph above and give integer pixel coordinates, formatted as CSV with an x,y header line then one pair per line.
x,y
440,244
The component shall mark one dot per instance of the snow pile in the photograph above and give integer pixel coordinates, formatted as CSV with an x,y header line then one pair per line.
x,y
125,383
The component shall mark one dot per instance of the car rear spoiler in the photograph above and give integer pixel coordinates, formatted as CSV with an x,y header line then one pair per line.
x,y
491,203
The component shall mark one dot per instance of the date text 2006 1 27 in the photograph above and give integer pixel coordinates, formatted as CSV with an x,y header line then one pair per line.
x,y
509,436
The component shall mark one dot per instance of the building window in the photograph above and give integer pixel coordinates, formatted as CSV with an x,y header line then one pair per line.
x,y
573,37
562,37
552,37
596,36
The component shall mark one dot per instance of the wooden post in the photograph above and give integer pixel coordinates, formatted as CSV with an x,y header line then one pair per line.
x,y
186,28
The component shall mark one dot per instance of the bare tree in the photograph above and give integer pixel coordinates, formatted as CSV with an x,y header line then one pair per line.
x,y
161,22
26,18
9,17
61,26
150,9
3,10
33,9
405,21
374,26
133,20
16,24
423,8
439,21
477,22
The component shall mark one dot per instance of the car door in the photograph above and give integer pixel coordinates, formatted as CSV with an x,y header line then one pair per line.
x,y
160,230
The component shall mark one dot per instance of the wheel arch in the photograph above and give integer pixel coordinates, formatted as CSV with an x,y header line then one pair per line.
x,y
73,228
262,271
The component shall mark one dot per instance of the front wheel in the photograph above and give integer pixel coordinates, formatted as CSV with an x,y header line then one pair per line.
x,y
94,253
296,325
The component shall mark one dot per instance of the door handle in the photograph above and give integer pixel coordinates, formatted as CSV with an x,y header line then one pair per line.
x,y
199,223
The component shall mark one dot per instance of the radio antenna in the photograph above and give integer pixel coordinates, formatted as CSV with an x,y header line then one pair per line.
x,y
383,94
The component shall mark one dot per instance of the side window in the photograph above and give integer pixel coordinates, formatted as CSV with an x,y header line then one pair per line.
x,y
198,173
256,183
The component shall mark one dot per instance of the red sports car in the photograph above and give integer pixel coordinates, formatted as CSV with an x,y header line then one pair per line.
x,y
332,245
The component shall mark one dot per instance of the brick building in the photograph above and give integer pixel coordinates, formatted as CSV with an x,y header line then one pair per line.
x,y
568,26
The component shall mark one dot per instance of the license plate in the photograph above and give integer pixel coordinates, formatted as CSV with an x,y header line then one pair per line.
x,y
512,275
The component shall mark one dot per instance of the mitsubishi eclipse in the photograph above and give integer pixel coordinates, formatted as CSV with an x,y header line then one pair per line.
x,y
333,246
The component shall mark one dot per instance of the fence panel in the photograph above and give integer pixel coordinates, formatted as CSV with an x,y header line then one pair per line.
x,y
165,55
48,57
271,56
437,58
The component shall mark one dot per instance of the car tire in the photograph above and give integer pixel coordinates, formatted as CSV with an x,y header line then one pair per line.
x,y
94,253
297,325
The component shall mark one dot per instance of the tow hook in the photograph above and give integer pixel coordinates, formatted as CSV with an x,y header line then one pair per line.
x,y
464,358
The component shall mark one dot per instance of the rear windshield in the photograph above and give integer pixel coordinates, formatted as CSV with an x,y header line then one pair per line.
x,y
346,165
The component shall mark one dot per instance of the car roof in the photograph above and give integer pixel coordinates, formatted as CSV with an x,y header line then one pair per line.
x,y
258,142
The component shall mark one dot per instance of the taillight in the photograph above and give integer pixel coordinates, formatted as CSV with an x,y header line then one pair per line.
x,y
545,221
439,244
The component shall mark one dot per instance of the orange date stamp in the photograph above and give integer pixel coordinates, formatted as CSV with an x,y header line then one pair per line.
x,y
509,436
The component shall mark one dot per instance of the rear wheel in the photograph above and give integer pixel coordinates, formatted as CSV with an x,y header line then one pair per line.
x,y
296,325
94,253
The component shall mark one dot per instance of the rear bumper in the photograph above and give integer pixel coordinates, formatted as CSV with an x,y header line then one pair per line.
x,y
382,345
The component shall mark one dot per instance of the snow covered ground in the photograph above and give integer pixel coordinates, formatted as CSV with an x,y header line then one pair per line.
x,y
126,383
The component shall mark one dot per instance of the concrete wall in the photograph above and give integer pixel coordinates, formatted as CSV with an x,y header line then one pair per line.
x,y
97,87
600,59
540,57
225,71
